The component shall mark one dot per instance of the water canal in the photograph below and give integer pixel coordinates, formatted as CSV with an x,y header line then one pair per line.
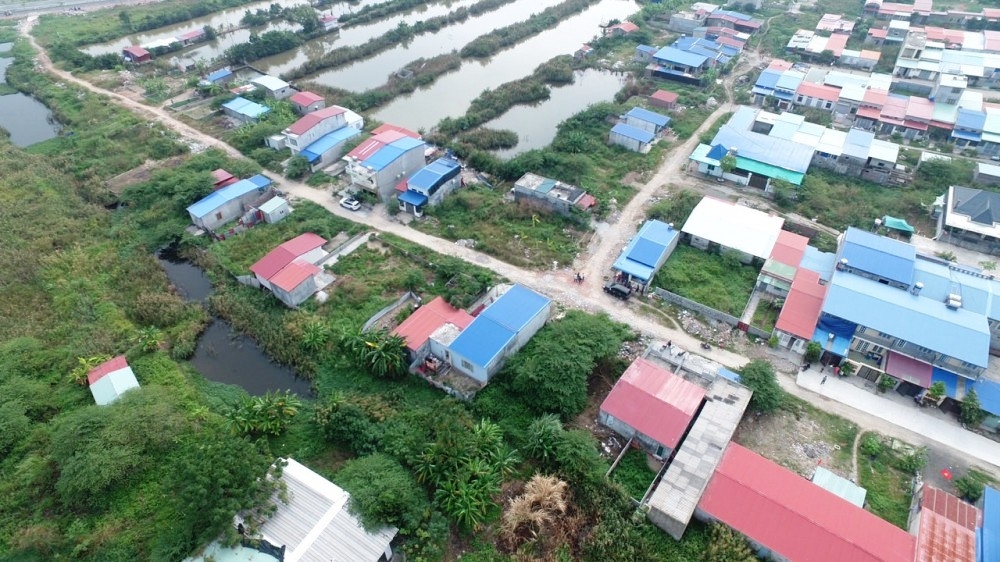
x,y
374,71
535,125
452,93
26,119
222,354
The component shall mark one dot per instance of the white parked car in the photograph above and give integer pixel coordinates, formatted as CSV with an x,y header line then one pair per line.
x,y
349,202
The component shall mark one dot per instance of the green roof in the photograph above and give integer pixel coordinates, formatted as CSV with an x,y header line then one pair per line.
x,y
897,224
768,170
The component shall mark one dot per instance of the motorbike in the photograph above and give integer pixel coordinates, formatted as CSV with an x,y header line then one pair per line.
x,y
706,347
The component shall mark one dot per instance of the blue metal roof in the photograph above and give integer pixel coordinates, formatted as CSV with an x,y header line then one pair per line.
x,y
246,107
516,308
219,75
633,133
878,255
970,119
646,49
673,55
642,254
921,321
768,79
718,152
218,198
789,81
727,374
433,175
773,151
941,280
390,152
413,198
315,150
966,135
649,116
820,262
988,537
989,399
495,327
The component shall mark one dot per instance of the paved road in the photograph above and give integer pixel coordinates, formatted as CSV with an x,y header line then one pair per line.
x,y
559,285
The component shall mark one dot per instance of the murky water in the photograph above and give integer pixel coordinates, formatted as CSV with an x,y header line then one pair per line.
x,y
452,93
351,36
373,72
222,354
535,125
26,119
221,21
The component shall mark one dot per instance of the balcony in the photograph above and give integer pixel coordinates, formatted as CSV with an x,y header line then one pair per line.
x,y
873,360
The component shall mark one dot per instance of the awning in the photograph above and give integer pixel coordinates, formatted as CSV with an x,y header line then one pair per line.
x,y
413,198
768,170
949,379
838,345
897,224
989,395
908,369
964,135
309,156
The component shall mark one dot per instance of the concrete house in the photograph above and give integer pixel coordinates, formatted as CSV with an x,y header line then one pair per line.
x,y
136,54
644,54
551,194
313,522
290,272
273,87
244,110
645,254
986,174
430,185
310,127
220,77
228,203
274,209
646,120
651,406
971,218
664,99
306,102
632,138
379,163
498,332
109,380
797,320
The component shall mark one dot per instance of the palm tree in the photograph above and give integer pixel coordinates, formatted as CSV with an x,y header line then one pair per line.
x,y
378,351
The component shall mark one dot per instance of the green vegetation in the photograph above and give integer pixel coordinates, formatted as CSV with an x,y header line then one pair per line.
x,y
972,485
398,36
758,375
972,413
265,45
675,208
633,473
716,280
486,139
375,12
765,316
491,43
709,134
887,474
726,545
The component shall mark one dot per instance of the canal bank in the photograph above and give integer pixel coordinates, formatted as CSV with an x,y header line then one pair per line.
x,y
27,120
222,354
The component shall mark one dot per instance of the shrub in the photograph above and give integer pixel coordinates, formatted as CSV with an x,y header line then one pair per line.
x,y
871,445
758,375
972,413
383,492
970,487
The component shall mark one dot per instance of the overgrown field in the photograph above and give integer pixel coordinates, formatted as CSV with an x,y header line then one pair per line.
x,y
887,473
712,279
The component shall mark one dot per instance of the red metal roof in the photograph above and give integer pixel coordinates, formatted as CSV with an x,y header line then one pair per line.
x,y
836,43
921,109
293,274
795,518
387,127
950,507
789,248
275,260
730,42
365,149
425,320
664,96
221,176
310,120
818,91
908,369
878,33
191,35
108,367
869,113
870,55
625,26
802,305
654,402
941,540
305,98
875,97
586,201
779,65
136,51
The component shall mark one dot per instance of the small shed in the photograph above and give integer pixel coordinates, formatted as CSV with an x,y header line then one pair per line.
x,y
223,178
664,99
244,110
221,77
986,174
109,380
136,54
274,87
631,138
840,486
274,209
646,120
307,102
584,51
646,253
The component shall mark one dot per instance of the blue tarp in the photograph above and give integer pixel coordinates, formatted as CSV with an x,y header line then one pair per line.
x,y
842,330
727,374
413,198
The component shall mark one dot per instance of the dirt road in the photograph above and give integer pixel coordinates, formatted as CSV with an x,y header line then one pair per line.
x,y
558,285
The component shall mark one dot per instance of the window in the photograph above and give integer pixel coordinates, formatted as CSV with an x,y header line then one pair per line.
x,y
800,99
466,364
829,105
218,216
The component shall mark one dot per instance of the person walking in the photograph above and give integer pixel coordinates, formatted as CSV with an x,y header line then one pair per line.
x,y
823,381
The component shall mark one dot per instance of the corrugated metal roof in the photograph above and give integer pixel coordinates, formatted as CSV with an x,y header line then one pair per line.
x,y
633,133
314,524
246,107
795,518
433,175
413,198
734,226
921,321
328,141
988,543
219,197
950,507
425,320
106,368
673,55
268,82
840,486
293,275
908,369
310,120
941,540
286,253
649,116
654,402
219,75
802,306
491,331
821,262
989,398
482,341
645,250
878,255
305,98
